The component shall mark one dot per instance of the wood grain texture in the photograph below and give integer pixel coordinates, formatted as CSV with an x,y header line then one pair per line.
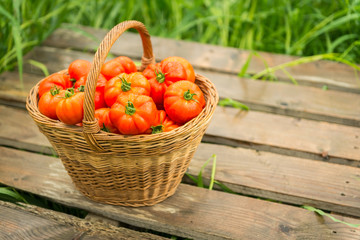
x,y
18,129
335,75
286,99
287,179
24,221
303,184
192,212
262,131
338,195
286,135
17,224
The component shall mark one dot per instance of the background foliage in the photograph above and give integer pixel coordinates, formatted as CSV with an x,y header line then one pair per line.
x,y
296,27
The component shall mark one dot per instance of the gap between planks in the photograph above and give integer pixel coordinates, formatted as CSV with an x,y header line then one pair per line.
x,y
24,221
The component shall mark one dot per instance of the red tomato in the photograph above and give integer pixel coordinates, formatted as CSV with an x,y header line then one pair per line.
x,y
126,83
99,97
118,65
133,114
183,101
49,101
70,109
188,67
59,80
163,123
103,117
79,68
165,73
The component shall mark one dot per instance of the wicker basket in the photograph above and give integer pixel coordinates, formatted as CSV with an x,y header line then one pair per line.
x,y
139,170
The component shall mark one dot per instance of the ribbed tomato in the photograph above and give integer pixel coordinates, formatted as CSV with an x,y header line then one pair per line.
x,y
126,83
118,65
163,123
183,101
103,117
49,101
133,114
70,109
79,68
60,80
165,73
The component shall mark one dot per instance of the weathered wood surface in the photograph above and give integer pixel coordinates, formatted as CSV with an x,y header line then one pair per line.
x,y
192,212
29,222
334,75
286,99
274,176
262,131
279,163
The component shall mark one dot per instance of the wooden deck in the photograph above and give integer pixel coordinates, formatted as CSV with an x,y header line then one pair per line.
x,y
298,145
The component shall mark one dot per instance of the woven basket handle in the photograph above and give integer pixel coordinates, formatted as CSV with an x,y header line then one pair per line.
x,y
90,124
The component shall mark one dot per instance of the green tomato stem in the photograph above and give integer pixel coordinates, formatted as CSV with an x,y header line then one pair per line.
x,y
69,92
157,129
125,85
160,76
130,108
54,90
189,96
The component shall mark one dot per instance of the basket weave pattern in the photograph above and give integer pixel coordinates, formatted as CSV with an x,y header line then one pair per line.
x,y
139,170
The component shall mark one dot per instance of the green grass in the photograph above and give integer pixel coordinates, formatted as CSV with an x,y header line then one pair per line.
x,y
303,28
10,194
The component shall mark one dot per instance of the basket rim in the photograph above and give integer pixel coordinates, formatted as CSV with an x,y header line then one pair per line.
x,y
32,107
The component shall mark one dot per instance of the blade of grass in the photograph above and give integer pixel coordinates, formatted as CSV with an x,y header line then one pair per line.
x,y
233,103
245,67
213,170
16,32
39,65
322,213
11,193
200,179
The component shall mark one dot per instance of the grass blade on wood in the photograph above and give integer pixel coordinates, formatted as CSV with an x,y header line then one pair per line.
x,y
322,213
233,103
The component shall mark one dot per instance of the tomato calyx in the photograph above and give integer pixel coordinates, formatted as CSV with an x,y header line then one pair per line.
x,y
160,76
69,92
104,128
81,88
125,85
54,90
157,129
73,80
130,108
189,96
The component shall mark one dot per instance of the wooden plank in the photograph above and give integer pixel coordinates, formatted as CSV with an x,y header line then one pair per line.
x,y
11,92
306,182
285,135
287,179
336,76
18,129
23,221
297,101
262,131
192,212
17,224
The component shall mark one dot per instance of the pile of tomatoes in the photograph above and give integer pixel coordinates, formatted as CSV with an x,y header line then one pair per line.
x,y
161,98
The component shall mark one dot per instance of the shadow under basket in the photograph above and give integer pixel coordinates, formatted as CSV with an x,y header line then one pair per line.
x,y
139,170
